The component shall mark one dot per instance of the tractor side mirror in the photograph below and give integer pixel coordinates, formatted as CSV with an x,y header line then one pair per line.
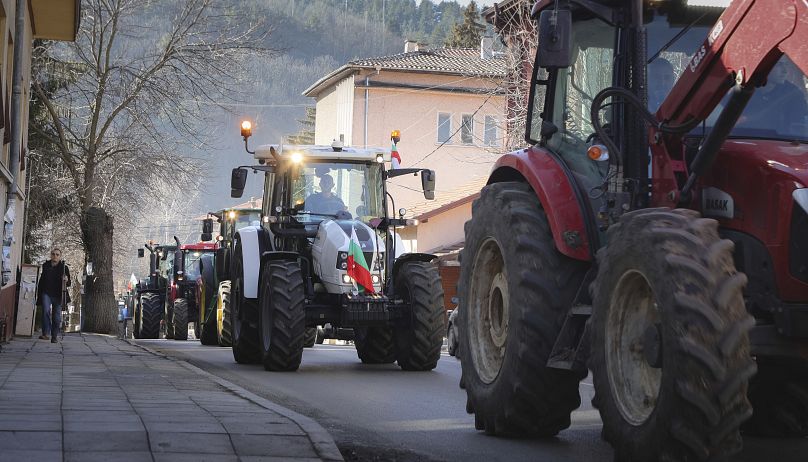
x,y
238,180
428,184
555,36
207,229
140,253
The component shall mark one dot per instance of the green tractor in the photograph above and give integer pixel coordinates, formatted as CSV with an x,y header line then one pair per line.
x,y
214,291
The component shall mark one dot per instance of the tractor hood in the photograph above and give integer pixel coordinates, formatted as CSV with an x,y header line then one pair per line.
x,y
751,184
330,251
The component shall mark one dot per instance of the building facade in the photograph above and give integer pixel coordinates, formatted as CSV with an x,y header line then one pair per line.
x,y
447,103
42,19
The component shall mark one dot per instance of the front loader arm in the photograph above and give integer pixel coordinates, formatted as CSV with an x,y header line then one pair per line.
x,y
740,51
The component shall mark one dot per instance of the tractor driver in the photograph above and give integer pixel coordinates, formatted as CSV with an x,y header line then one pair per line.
x,y
325,201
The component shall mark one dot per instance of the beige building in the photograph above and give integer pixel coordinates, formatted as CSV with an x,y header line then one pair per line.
x,y
448,104
42,19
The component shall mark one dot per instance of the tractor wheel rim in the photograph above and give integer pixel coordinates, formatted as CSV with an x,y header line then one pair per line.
x,y
634,382
488,311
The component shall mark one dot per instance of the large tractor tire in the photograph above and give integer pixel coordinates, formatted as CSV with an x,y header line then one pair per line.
x,y
224,327
180,319
374,345
320,336
151,311
310,337
670,345
515,291
779,396
418,339
282,323
246,349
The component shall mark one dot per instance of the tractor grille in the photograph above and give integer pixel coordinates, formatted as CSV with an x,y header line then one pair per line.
x,y
798,244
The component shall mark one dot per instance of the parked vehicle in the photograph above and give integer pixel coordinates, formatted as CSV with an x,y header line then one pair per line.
x,y
320,257
583,248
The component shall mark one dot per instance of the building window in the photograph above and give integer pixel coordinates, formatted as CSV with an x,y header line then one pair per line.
x,y
491,131
444,127
467,129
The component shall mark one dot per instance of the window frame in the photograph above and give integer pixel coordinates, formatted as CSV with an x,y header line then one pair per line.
x,y
494,141
438,125
471,129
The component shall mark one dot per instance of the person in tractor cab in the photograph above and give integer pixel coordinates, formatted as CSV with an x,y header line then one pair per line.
x,y
779,105
325,201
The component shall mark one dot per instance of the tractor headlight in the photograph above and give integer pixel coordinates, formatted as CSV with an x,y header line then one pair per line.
x,y
375,278
342,260
346,279
379,265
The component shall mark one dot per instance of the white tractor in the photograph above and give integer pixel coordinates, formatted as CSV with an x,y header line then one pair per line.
x,y
327,252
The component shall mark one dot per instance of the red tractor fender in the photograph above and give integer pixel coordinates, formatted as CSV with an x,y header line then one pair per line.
x,y
553,184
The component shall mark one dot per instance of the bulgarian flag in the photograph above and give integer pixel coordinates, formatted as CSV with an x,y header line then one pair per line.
x,y
357,266
395,157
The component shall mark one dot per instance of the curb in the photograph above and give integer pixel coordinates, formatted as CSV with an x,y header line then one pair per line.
x,y
321,440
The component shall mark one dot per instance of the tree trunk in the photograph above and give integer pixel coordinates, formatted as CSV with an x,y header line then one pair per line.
x,y
99,310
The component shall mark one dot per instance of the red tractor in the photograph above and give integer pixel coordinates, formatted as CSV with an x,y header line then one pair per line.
x,y
662,241
181,305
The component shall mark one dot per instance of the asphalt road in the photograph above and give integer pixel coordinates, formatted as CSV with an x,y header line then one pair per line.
x,y
383,413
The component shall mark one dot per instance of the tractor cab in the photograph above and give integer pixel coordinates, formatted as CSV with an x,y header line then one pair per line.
x,y
318,198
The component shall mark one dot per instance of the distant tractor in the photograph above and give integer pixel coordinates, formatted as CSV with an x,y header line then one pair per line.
x,y
150,292
327,252
216,328
181,300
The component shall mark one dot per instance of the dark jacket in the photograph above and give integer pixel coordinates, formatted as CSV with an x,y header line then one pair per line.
x,y
50,281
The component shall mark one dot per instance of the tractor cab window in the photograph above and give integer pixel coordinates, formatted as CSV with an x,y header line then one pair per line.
x,y
574,89
244,219
779,109
324,190
673,37
192,267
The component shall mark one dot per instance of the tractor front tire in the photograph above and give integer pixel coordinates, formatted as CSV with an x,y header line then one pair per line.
x,y
150,314
320,336
515,291
374,345
244,311
670,346
418,339
180,319
224,327
310,337
282,323
779,396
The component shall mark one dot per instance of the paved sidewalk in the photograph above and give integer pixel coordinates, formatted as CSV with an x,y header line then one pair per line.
x,y
97,398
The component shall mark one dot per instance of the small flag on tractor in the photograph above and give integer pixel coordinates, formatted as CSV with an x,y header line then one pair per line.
x,y
395,157
358,268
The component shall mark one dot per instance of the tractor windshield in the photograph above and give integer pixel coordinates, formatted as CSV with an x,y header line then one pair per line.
x,y
192,268
325,189
777,110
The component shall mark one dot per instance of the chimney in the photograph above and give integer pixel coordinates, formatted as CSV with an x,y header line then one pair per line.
x,y
410,46
487,48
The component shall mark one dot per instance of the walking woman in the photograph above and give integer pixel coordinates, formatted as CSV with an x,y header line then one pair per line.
x,y
53,284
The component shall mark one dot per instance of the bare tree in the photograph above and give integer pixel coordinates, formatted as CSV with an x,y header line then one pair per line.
x,y
128,98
